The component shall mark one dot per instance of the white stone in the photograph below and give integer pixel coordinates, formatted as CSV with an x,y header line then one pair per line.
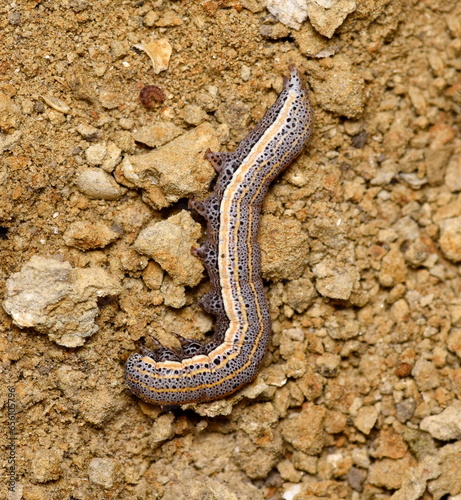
x,y
445,426
292,13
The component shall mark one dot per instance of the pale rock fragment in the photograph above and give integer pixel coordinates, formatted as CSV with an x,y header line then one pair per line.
x,y
388,444
7,141
193,114
177,170
415,479
174,295
132,215
46,465
399,311
388,473
335,422
159,53
393,268
291,491
366,419
102,471
131,261
57,104
288,472
436,160
157,134
169,242
426,375
95,153
151,18
53,298
407,228
162,429
445,426
99,185
292,13
305,430
334,281
284,248
454,341
328,364
448,210
312,44
338,87
327,15
453,174
412,179
448,482
110,100
258,458
405,410
88,132
98,407
450,238
304,462
299,294
88,235
153,276
112,157
9,114
169,18
385,174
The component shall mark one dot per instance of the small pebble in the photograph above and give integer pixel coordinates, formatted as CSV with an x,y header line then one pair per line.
x,y
426,375
159,53
453,174
150,18
450,238
102,472
193,114
168,242
57,104
99,185
405,410
95,153
87,235
366,419
454,341
447,425
88,132
291,13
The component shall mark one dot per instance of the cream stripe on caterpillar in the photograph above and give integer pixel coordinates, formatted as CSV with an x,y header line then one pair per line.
x,y
231,255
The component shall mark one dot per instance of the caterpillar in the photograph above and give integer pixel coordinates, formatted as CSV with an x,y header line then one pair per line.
x,y
205,371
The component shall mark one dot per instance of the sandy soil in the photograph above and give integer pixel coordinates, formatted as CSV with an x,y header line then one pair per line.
x,y
359,396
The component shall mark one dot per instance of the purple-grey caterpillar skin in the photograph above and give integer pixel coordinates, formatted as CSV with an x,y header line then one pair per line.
x,y
231,255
